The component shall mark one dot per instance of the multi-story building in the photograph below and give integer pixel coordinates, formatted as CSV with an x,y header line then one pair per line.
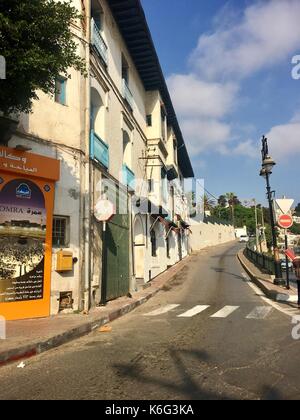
x,y
111,137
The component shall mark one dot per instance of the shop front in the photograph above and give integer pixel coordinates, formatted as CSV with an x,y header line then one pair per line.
x,y
27,188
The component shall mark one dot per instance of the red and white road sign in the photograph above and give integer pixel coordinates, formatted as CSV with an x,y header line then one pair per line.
x,y
285,221
104,210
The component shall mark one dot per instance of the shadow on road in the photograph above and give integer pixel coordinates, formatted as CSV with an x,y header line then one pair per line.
x,y
222,271
188,387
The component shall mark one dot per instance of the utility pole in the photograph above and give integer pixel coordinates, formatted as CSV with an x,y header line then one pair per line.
x,y
266,171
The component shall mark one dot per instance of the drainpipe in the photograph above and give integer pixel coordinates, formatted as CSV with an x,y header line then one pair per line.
x,y
87,166
131,218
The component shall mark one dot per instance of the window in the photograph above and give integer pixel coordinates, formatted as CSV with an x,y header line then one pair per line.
x,y
125,70
60,232
175,151
60,90
172,192
168,247
164,185
149,120
97,14
153,243
163,124
150,185
98,18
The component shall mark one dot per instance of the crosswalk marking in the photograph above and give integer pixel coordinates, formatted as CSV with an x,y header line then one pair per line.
x,y
162,310
195,311
225,312
260,312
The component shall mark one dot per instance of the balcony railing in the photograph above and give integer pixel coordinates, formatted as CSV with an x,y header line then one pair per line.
x,y
128,178
98,42
127,95
99,150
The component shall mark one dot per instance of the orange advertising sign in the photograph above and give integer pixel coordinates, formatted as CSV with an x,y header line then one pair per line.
x,y
27,189
25,163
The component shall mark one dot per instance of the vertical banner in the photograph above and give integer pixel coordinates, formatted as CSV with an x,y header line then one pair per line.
x,y
23,222
27,189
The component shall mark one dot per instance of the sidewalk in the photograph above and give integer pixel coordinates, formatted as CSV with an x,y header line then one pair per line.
x,y
265,283
31,337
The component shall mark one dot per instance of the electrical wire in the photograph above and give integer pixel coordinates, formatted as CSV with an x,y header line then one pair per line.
x,y
207,192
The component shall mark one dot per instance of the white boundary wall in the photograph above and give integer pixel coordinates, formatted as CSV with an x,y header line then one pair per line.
x,y
208,234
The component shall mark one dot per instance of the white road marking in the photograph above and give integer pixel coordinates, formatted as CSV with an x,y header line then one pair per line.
x,y
162,310
289,311
281,297
195,311
260,312
225,312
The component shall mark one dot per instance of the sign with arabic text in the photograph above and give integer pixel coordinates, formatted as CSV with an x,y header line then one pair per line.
x,y
19,162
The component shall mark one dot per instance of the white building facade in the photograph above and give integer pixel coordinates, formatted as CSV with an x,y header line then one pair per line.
x,y
117,138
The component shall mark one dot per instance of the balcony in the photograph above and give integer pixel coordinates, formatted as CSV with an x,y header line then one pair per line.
x,y
127,95
128,178
98,42
99,150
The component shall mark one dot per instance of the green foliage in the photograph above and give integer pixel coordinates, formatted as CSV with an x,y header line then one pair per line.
x,y
295,229
243,216
232,199
208,203
38,46
222,201
298,210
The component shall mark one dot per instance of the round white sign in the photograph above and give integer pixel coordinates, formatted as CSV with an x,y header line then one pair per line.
x,y
104,210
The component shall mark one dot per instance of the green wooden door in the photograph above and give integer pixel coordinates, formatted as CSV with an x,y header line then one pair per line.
x,y
116,254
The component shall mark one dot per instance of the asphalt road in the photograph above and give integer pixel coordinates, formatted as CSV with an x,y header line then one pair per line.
x,y
230,344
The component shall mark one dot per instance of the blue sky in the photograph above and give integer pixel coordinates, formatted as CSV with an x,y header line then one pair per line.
x,y
228,67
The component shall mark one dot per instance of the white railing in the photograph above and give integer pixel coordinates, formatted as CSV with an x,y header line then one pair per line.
x,y
98,42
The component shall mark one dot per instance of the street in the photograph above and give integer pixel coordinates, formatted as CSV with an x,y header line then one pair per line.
x,y
206,336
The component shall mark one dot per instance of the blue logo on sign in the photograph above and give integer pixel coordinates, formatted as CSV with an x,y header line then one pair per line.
x,y
23,191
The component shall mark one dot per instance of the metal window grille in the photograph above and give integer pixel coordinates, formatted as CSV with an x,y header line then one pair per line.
x,y
60,234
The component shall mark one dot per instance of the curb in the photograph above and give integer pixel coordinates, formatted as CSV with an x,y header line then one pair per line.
x,y
272,294
38,347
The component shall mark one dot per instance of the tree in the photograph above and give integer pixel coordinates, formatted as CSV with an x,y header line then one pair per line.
x,y
295,229
38,46
208,203
222,201
232,201
297,210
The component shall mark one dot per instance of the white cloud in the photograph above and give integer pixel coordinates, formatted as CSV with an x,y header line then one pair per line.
x,y
193,97
246,148
268,33
206,134
284,140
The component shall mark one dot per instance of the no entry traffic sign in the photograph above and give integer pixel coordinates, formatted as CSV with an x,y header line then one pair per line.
x,y
285,221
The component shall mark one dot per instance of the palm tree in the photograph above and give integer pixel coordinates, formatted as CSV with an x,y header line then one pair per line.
x,y
222,201
208,203
232,201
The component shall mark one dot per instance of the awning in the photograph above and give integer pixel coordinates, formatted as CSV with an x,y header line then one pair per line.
x,y
184,225
171,226
159,218
176,230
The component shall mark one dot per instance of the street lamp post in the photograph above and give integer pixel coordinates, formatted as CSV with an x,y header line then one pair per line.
x,y
267,168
